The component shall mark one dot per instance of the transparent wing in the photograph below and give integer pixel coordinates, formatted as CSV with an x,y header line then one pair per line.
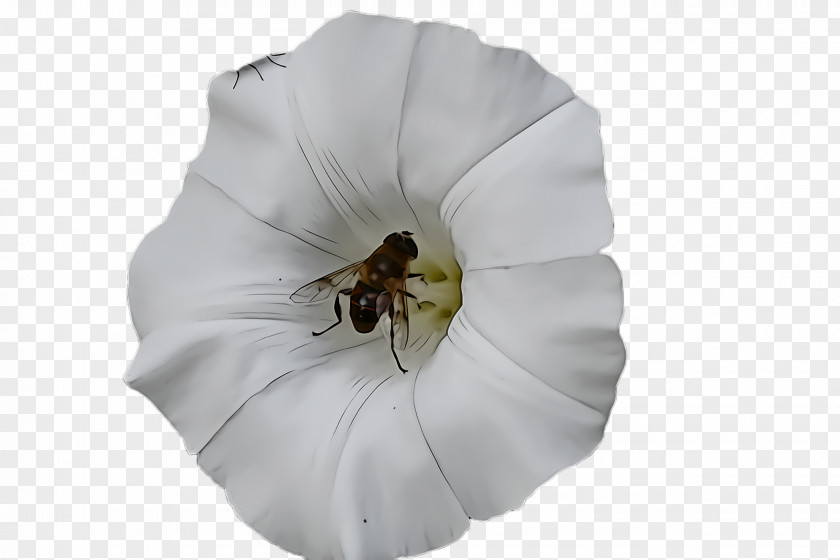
x,y
320,289
401,319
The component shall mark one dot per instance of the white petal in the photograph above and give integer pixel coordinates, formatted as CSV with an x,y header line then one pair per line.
x,y
539,197
215,321
210,259
463,100
558,320
251,154
199,374
347,86
497,431
310,458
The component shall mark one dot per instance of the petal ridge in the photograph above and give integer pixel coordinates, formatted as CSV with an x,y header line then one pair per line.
x,y
462,317
400,123
577,346
540,196
494,150
498,432
272,226
426,439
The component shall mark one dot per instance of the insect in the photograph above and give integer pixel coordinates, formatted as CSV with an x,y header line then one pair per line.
x,y
379,286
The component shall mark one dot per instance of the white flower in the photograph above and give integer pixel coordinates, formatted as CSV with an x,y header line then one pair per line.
x,y
371,126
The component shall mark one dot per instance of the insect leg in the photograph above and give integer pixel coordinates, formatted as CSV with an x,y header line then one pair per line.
x,y
415,275
337,311
409,294
394,352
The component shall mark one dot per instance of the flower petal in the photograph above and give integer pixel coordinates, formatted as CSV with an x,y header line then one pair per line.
x,y
347,85
252,155
207,302
210,259
331,463
539,197
557,320
463,100
497,431
199,374
512,396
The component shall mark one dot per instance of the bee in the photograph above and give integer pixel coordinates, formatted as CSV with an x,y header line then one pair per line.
x,y
375,285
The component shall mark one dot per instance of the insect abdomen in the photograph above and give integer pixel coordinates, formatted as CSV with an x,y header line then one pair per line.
x,y
363,307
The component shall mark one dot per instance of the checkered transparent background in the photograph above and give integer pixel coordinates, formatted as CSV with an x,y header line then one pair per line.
x,y
721,127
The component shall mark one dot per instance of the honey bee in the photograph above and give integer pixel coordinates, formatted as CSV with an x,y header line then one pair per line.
x,y
374,285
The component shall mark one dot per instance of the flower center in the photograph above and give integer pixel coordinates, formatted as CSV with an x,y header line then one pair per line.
x,y
440,294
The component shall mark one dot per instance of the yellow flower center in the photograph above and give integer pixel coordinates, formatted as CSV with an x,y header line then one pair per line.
x,y
438,294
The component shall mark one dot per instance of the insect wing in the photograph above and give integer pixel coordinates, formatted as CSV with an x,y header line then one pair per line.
x,y
320,289
401,320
